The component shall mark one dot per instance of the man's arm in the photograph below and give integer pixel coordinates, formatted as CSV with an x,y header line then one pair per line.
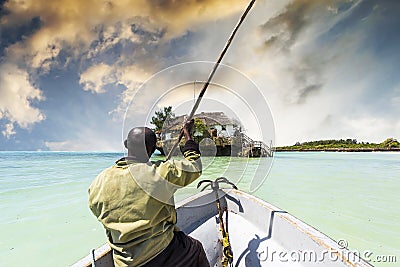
x,y
191,150
184,172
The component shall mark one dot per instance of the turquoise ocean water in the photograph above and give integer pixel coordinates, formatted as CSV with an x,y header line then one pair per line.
x,y
45,220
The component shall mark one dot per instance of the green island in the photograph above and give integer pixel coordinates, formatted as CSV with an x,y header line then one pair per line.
x,y
348,145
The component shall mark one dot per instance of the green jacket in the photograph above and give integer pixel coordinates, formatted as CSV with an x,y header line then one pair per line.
x,y
134,201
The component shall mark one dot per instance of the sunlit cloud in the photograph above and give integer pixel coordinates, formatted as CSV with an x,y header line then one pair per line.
x,y
16,97
310,58
110,39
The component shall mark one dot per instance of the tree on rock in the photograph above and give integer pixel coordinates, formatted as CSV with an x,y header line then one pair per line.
x,y
160,116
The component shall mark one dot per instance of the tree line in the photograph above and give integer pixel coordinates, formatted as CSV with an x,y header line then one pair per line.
x,y
388,144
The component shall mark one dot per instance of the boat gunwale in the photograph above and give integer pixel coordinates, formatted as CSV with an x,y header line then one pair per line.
x,y
317,236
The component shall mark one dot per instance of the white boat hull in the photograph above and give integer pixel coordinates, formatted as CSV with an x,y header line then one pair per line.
x,y
260,234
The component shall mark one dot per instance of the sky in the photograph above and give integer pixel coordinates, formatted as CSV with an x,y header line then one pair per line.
x,y
75,75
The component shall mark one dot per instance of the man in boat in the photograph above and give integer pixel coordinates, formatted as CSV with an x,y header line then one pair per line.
x,y
134,201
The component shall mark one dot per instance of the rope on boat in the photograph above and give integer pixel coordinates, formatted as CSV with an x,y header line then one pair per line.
x,y
227,248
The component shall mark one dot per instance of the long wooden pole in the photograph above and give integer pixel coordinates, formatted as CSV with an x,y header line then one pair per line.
x,y
205,86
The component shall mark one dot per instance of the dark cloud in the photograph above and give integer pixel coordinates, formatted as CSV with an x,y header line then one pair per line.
x,y
11,34
307,78
310,41
308,91
115,45
376,25
283,33
284,29
3,11
292,21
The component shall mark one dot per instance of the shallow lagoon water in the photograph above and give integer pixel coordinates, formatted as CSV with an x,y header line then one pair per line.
x,y
46,222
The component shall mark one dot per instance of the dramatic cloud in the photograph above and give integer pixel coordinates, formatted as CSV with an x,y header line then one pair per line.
x,y
283,30
290,36
322,61
318,59
79,26
16,97
108,41
327,68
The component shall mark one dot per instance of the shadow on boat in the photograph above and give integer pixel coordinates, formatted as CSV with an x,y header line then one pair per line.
x,y
250,254
252,222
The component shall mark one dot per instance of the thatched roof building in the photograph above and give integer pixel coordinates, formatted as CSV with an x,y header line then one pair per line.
x,y
216,120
